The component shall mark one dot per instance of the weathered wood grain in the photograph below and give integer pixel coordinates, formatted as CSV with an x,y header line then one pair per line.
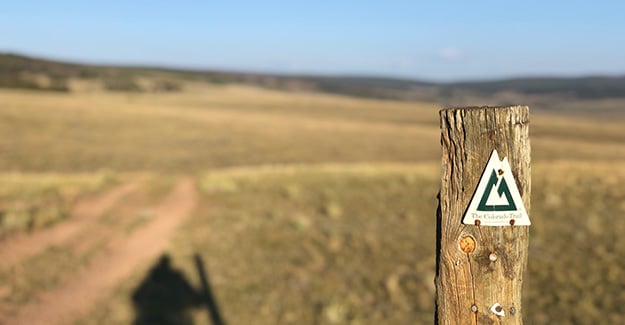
x,y
469,284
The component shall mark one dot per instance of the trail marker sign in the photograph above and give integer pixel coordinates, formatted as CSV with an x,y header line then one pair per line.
x,y
496,201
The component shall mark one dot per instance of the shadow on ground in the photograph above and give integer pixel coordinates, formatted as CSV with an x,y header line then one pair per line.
x,y
165,296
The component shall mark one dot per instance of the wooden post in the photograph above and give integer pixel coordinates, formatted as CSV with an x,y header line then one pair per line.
x,y
480,282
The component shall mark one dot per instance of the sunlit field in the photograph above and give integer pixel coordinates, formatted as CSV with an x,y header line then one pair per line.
x,y
295,207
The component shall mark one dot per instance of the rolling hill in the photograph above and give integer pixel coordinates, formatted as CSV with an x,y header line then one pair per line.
x,y
17,71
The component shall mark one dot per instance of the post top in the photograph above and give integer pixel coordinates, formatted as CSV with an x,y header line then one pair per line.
x,y
474,108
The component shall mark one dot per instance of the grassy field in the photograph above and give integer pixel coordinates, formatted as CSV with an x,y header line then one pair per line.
x,y
30,201
237,126
311,208
217,127
355,244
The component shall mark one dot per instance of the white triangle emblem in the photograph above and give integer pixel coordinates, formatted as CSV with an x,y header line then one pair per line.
x,y
496,201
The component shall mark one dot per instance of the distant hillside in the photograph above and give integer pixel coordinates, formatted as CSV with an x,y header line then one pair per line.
x,y
23,72
18,71
585,87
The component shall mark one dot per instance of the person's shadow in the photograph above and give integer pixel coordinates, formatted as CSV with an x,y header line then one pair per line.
x,y
166,297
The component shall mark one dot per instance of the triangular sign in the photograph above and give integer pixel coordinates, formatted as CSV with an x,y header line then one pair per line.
x,y
496,201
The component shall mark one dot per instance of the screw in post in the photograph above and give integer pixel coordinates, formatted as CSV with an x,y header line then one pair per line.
x,y
492,257
512,310
497,310
474,308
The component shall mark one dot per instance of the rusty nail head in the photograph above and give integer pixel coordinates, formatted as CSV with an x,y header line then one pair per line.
x,y
512,310
474,308
467,244
498,309
500,172
492,257
512,222
477,222
492,136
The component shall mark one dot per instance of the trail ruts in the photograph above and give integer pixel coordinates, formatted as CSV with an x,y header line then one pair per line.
x,y
80,293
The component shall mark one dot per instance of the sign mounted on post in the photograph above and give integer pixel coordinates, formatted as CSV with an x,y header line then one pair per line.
x,y
496,201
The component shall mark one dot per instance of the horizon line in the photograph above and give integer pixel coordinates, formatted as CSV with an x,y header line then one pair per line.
x,y
304,74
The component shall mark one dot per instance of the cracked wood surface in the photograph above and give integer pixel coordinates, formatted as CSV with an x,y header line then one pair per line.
x,y
470,284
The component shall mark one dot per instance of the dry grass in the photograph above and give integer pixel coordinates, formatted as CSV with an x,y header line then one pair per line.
x,y
576,244
225,126
86,132
29,201
340,244
315,208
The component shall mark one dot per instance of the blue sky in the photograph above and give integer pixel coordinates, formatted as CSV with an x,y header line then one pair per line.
x,y
432,40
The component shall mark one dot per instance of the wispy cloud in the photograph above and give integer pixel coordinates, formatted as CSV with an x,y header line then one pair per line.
x,y
451,53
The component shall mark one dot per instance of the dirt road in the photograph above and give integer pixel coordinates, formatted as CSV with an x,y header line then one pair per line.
x,y
18,248
79,293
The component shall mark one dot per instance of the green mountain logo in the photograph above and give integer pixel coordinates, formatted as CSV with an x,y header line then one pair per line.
x,y
501,190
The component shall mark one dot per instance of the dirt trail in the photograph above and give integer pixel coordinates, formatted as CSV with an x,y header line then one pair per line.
x,y
18,248
82,291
